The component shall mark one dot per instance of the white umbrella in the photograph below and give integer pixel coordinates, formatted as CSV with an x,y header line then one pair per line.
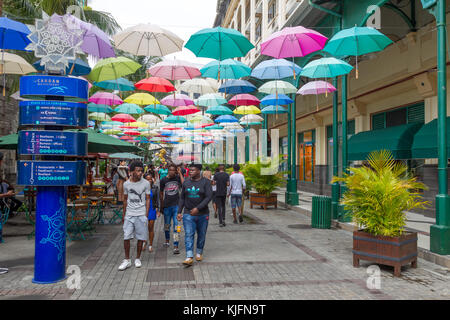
x,y
13,64
200,86
148,40
149,119
250,118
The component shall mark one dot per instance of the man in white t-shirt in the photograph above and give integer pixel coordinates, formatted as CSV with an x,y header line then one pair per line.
x,y
237,187
135,213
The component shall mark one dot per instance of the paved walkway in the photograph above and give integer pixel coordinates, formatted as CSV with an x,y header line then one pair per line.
x,y
274,254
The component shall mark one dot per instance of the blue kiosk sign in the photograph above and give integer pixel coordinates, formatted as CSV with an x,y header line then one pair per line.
x,y
61,113
53,143
51,173
36,87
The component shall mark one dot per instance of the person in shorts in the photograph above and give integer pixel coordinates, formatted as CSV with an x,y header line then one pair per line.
x,y
237,187
135,213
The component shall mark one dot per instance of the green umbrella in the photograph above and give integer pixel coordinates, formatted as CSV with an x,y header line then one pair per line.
x,y
219,43
277,86
219,110
113,68
175,119
99,116
158,109
129,108
326,68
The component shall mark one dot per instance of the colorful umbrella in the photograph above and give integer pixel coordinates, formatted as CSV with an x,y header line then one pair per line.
x,y
132,133
76,67
251,118
99,116
126,138
121,117
185,110
158,109
326,68
129,108
279,99
226,119
210,100
149,118
277,86
14,64
200,119
113,68
214,127
175,119
107,98
148,40
13,34
155,84
219,110
219,43
120,84
275,69
92,107
112,131
316,87
247,110
199,85
177,100
227,69
237,86
273,110
244,100
141,99
175,70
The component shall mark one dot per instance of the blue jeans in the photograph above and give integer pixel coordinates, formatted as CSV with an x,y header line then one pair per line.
x,y
192,224
170,213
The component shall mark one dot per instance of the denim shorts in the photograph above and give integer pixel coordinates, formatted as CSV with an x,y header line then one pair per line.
x,y
135,227
236,201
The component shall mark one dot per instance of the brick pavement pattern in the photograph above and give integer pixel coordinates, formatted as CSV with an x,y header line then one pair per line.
x,y
274,254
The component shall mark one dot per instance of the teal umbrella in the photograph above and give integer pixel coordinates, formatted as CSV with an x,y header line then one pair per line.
x,y
219,110
120,84
129,108
219,43
175,119
214,127
357,41
227,69
210,100
92,107
273,110
158,109
277,86
326,68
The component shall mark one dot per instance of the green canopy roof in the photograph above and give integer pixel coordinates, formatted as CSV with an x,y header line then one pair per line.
x,y
397,139
124,155
425,144
97,143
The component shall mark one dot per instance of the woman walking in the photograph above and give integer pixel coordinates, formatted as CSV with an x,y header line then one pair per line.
x,y
153,212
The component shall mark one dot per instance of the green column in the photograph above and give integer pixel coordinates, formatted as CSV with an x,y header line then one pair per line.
x,y
335,187
247,145
265,121
235,149
440,232
289,161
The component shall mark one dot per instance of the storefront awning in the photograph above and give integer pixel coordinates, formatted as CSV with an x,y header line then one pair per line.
x,y
425,144
397,139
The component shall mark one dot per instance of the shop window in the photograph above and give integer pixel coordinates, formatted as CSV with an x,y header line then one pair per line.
x,y
306,156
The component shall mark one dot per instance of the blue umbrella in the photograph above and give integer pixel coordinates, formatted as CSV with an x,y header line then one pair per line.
x,y
226,119
275,69
120,84
237,86
13,34
273,110
92,107
273,99
80,67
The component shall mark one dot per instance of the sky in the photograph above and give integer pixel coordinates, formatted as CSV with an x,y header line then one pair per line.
x,y
182,17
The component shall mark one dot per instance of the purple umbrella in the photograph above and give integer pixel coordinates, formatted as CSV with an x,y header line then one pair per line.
x,y
316,87
177,100
107,98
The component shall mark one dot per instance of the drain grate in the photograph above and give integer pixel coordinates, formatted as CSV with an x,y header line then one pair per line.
x,y
299,226
170,274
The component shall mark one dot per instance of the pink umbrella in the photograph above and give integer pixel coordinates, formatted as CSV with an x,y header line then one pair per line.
x,y
107,98
177,100
293,42
126,138
316,87
244,100
175,70
122,117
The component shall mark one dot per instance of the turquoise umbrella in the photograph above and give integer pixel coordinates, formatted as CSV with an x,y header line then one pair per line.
x,y
129,108
158,109
219,110
92,107
357,41
175,119
214,127
210,100
273,110
120,84
227,69
326,68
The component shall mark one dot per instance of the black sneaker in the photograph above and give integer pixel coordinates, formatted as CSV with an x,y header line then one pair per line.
x,y
224,224
241,219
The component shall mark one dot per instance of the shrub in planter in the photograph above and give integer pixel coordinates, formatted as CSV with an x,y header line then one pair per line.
x,y
377,197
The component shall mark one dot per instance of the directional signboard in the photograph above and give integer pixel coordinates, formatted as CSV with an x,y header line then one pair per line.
x,y
50,173
65,143
60,113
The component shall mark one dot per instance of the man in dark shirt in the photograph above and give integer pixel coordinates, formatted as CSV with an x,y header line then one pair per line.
x,y
222,181
170,187
194,199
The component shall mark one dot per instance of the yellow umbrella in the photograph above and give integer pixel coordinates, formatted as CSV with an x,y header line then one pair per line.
x,y
138,124
142,98
247,110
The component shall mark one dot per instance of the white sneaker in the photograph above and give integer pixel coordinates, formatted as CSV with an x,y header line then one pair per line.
x,y
137,263
126,263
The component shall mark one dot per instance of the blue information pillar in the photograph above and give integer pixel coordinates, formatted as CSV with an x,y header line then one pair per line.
x,y
58,103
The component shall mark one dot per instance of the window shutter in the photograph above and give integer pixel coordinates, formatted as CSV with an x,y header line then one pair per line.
x,y
416,113
351,127
329,132
378,121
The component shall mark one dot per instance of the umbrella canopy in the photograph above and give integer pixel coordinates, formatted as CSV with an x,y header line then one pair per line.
x,y
129,108
14,64
326,68
273,110
124,155
110,124
141,98
92,107
132,133
199,85
316,87
99,116
158,109
247,110
9,142
175,119
112,131
293,42
210,100
177,100
226,119
113,68
277,86
76,67
175,70
13,34
200,119
214,127
227,69
107,98
148,40
275,69
237,86
122,117
120,84
149,118
185,110
250,120
219,43
274,99
244,100
219,110
155,84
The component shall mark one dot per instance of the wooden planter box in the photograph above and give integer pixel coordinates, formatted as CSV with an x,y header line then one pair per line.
x,y
390,251
258,199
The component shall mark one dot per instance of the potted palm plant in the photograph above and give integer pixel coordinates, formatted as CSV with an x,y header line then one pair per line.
x,y
264,179
378,194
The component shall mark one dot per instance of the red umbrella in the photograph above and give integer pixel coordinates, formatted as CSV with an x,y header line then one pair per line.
x,y
203,125
244,100
128,127
155,84
132,133
122,117
127,138
187,158
171,128
185,110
